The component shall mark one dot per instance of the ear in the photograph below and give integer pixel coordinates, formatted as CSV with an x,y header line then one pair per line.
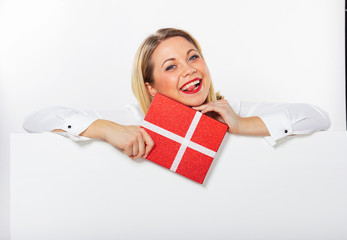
x,y
150,89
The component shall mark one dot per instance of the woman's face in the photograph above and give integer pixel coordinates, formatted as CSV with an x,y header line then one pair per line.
x,y
179,72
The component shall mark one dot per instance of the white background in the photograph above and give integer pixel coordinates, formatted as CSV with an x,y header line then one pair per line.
x,y
88,191
79,53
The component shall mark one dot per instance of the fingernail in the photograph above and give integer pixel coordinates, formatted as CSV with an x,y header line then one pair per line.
x,y
145,156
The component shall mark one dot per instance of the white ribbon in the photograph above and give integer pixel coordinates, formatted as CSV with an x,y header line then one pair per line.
x,y
185,142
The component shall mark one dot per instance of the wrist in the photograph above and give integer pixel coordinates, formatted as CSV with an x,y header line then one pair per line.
x,y
235,128
252,126
98,129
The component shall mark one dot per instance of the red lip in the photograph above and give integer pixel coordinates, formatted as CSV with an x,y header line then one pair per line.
x,y
196,90
190,82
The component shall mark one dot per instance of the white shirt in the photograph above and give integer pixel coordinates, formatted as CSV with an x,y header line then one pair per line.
x,y
281,120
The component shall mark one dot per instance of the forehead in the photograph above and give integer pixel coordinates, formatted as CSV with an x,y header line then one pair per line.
x,y
172,48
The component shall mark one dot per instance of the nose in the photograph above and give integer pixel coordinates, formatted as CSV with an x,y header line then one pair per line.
x,y
188,70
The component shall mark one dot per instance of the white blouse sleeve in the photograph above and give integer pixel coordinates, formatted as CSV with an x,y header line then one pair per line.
x,y
286,119
74,121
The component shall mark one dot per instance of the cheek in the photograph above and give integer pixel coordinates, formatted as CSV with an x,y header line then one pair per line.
x,y
207,74
166,82
203,67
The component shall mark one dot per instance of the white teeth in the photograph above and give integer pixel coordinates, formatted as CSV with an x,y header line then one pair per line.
x,y
190,84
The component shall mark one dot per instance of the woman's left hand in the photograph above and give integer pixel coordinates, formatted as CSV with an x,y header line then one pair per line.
x,y
226,114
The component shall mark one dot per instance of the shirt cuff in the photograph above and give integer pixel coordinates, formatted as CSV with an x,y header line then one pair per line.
x,y
73,137
278,125
76,122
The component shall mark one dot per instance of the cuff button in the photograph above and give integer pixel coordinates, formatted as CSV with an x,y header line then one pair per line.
x,y
70,126
285,131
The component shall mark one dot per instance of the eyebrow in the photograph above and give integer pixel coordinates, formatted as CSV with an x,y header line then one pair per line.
x,y
170,59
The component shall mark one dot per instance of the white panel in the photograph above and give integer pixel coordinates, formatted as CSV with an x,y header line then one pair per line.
x,y
65,190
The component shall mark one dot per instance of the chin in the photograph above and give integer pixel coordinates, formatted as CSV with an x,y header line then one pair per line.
x,y
194,102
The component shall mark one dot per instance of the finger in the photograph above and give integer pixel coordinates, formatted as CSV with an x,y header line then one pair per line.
x,y
148,142
209,108
209,105
141,146
135,149
200,107
128,150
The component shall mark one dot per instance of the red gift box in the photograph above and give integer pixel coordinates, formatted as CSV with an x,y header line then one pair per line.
x,y
185,140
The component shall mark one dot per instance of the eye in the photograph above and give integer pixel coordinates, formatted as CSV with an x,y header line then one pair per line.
x,y
170,67
192,58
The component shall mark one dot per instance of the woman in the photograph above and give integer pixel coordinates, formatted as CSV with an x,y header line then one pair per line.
x,y
170,62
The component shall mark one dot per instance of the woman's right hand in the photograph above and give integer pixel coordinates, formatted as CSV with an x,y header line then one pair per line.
x,y
134,141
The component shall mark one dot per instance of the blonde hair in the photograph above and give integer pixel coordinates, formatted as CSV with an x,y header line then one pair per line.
x,y
143,69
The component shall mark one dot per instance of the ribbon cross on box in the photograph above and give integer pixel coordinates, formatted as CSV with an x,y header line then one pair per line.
x,y
186,141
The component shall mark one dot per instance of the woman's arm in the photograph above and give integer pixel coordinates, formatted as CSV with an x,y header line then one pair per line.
x,y
134,141
267,119
251,126
82,124
237,125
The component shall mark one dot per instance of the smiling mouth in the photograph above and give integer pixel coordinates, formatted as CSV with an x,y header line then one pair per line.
x,y
192,86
